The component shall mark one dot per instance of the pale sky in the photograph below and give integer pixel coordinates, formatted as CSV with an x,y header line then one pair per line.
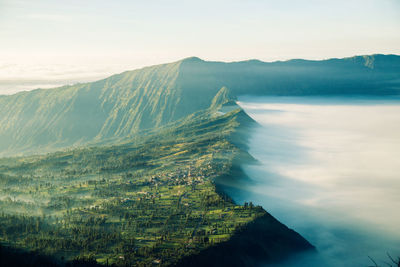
x,y
46,43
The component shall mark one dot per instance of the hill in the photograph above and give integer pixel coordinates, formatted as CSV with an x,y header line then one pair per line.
x,y
151,202
126,104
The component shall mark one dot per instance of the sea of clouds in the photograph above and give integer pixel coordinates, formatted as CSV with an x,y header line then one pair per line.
x,y
330,169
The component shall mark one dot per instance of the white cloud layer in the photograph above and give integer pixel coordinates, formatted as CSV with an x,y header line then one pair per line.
x,y
330,168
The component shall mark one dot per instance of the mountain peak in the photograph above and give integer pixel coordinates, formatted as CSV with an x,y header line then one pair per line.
x,y
192,59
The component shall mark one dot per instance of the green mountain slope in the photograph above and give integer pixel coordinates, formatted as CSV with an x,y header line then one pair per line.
x,y
125,104
73,115
153,202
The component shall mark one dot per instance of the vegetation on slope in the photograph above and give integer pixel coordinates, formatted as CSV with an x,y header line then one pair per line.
x,y
152,202
123,105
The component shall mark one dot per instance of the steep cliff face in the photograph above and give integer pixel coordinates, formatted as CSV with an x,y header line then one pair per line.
x,y
125,104
73,115
263,240
366,75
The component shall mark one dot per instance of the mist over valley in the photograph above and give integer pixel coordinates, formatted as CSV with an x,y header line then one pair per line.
x,y
329,168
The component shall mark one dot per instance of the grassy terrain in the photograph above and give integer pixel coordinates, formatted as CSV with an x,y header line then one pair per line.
x,y
143,203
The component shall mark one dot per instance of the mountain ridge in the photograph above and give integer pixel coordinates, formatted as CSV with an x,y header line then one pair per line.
x,y
125,104
195,58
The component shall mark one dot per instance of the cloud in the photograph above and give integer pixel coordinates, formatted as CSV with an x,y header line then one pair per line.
x,y
330,170
23,77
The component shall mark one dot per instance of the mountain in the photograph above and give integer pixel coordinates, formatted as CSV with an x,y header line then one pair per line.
x,y
145,203
163,139
125,104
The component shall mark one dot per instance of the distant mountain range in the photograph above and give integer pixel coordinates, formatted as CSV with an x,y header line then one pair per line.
x,y
129,103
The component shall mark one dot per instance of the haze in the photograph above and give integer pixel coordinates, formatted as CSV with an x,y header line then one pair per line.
x,y
330,164
50,43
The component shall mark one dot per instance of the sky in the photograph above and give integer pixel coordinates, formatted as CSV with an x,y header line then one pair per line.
x,y
44,43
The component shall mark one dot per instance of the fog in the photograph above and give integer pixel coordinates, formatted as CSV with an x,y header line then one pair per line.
x,y
330,169
25,77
